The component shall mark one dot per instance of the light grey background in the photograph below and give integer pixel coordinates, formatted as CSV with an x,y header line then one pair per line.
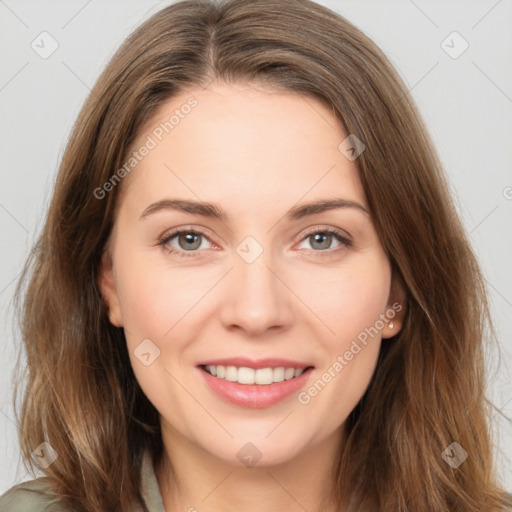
x,y
465,101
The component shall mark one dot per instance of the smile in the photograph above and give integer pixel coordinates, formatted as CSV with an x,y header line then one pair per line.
x,y
254,384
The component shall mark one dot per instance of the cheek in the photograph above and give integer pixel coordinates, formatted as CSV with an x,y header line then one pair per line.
x,y
357,297
155,298
154,302
347,299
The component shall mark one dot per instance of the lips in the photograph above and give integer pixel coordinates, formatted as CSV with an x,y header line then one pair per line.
x,y
231,387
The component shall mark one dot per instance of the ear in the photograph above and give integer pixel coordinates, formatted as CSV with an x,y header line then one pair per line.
x,y
107,286
395,309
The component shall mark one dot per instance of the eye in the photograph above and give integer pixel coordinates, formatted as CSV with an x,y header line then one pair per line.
x,y
188,241
321,240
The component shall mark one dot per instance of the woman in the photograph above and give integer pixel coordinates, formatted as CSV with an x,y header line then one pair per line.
x,y
254,370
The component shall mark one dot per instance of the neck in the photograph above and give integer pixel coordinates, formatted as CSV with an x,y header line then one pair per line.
x,y
193,480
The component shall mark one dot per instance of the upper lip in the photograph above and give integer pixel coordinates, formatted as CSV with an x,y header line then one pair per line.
x,y
268,362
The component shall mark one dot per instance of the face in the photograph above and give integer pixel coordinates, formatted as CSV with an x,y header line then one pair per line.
x,y
241,279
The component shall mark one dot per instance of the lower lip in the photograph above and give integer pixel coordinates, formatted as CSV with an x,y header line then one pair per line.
x,y
254,396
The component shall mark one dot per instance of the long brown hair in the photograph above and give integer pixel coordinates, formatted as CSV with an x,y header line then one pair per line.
x,y
428,388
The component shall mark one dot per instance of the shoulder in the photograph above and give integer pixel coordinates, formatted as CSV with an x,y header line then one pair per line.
x,y
508,502
32,496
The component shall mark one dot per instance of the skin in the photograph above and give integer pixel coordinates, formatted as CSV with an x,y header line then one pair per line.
x,y
255,152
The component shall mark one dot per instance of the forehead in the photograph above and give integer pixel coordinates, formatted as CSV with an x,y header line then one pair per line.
x,y
242,144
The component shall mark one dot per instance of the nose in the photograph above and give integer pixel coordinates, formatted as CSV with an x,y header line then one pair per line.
x,y
257,299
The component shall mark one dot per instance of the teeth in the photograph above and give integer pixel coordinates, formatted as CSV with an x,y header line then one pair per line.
x,y
231,373
261,376
278,375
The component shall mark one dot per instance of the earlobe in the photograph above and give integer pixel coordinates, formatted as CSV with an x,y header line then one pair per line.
x,y
108,290
395,310
391,328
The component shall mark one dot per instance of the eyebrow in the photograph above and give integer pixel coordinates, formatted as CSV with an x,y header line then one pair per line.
x,y
212,210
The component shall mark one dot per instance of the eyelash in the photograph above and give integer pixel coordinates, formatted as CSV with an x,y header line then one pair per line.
x,y
191,254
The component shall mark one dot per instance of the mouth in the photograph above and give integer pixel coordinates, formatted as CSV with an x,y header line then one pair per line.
x,y
254,384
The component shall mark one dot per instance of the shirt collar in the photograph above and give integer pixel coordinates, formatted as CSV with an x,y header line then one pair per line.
x,y
150,489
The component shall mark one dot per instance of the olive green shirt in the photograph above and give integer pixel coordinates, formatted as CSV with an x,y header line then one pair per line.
x,y
37,495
